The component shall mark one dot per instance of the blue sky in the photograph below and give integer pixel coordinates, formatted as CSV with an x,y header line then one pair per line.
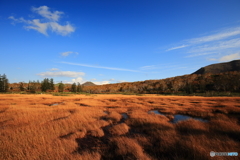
x,y
111,41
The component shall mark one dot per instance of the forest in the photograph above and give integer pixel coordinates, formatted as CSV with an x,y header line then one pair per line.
x,y
228,82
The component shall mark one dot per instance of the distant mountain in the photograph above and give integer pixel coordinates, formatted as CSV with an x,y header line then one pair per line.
x,y
220,67
88,84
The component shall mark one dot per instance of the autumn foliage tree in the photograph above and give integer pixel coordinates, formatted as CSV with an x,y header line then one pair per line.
x,y
21,86
33,86
188,84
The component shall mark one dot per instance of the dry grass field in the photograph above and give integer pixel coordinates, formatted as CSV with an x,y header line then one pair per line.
x,y
47,127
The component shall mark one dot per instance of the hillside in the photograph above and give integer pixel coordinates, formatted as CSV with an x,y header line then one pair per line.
x,y
88,84
222,77
220,68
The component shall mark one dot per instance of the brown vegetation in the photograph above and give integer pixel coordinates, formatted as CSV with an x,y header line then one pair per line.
x,y
92,127
209,84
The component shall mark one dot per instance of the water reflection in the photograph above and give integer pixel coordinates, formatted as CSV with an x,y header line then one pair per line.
x,y
124,116
155,111
178,117
54,104
106,112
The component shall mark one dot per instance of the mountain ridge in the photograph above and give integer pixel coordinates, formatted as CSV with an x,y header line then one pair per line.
x,y
219,67
88,83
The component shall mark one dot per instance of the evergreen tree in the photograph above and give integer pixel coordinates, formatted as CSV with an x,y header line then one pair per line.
x,y
79,87
60,87
52,87
74,87
47,85
6,84
43,85
3,83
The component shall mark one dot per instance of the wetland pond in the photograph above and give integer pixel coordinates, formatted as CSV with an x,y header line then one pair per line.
x,y
178,117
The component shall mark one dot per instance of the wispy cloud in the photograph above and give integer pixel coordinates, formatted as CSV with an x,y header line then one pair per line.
x,y
61,74
219,36
65,54
49,22
148,67
211,42
178,47
157,66
201,54
93,66
229,57
217,45
54,69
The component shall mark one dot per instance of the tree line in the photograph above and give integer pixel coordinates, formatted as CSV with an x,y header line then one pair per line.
x,y
194,83
46,85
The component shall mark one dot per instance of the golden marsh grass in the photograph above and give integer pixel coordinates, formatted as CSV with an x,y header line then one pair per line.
x,y
92,127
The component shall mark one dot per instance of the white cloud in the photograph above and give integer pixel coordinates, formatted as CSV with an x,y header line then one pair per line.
x,y
78,79
229,57
35,24
102,82
38,26
93,66
54,69
60,29
44,12
68,53
49,23
61,74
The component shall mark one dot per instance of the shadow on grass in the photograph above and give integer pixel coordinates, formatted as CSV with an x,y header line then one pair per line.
x,y
100,144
